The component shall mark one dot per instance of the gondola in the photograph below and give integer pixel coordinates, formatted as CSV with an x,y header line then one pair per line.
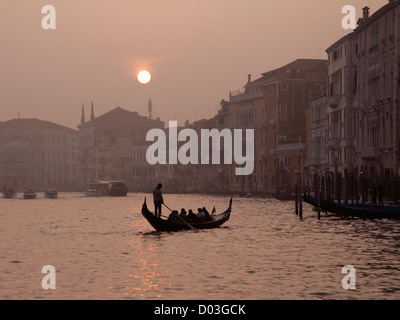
x,y
177,224
356,210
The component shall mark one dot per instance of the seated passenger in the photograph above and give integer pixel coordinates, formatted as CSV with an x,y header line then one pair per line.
x,y
182,213
173,215
201,214
207,215
192,217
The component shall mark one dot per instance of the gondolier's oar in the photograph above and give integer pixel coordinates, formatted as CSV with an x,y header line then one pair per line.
x,y
189,225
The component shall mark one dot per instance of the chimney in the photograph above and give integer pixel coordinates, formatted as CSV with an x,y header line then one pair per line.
x,y
248,78
365,13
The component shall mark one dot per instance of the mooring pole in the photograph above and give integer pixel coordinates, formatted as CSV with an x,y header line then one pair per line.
x,y
296,197
300,197
318,191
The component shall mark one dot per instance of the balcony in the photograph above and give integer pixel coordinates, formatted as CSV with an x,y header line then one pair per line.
x,y
316,162
333,143
289,148
370,153
333,101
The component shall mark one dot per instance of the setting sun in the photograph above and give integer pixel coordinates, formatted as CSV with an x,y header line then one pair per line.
x,y
144,76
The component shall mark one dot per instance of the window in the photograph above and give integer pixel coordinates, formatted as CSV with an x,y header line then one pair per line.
x,y
337,54
283,116
374,34
336,84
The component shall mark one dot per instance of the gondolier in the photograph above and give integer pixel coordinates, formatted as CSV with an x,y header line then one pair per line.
x,y
158,200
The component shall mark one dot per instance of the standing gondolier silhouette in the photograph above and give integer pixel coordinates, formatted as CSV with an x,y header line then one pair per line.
x,y
158,199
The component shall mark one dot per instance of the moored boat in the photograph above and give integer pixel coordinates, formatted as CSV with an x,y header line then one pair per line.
x,y
117,189
177,224
284,194
107,188
51,193
356,210
30,194
92,192
9,193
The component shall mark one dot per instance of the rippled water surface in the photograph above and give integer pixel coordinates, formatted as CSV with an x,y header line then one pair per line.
x,y
102,248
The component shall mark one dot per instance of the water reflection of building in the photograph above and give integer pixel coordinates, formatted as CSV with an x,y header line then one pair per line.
x,y
38,154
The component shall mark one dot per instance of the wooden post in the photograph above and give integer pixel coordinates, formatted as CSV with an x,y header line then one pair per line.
x,y
357,189
371,188
296,197
318,197
352,188
300,198
328,187
346,187
363,191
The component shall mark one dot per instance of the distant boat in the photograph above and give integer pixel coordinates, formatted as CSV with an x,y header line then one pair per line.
x,y
51,193
117,189
30,194
9,193
92,192
107,188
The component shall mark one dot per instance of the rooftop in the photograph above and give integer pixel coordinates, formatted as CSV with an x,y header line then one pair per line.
x,y
33,123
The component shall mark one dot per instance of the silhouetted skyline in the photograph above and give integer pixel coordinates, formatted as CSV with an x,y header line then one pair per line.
x,y
196,51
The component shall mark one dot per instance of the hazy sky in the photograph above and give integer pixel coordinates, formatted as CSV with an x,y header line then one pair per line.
x,y
196,50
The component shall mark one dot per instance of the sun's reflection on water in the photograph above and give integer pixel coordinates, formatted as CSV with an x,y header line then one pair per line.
x,y
150,276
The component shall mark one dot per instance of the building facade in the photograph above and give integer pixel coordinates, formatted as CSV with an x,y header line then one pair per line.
x,y
107,142
38,154
274,106
377,45
317,133
342,81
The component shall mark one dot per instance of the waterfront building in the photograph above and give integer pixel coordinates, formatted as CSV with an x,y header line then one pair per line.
x,y
38,154
274,106
377,124
143,176
246,109
342,81
316,137
107,142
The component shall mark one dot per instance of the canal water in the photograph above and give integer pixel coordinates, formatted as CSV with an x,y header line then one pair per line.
x,y
102,248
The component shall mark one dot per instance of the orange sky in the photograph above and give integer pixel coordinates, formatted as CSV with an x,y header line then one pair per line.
x,y
196,50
